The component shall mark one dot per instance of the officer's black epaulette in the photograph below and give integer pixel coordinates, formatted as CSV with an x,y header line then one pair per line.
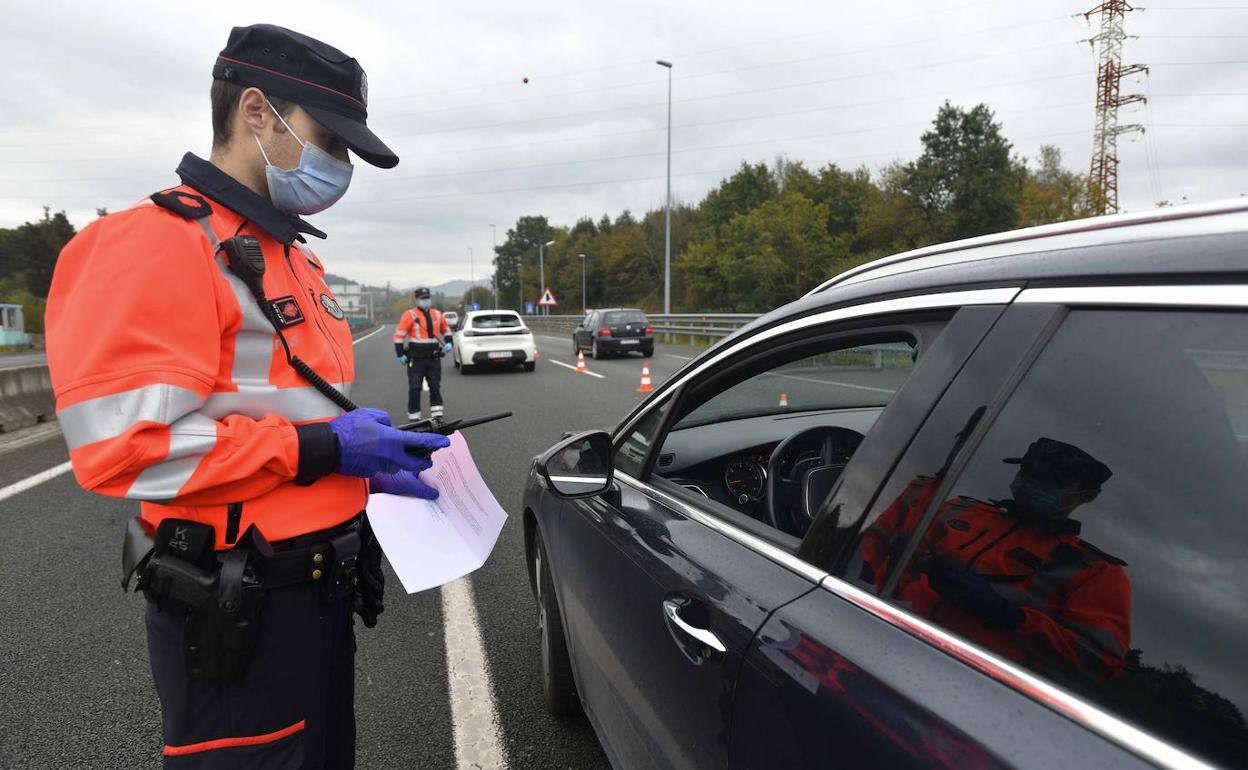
x,y
1098,553
184,204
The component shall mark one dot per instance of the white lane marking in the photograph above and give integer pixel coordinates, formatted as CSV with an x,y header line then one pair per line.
x,y
473,712
573,368
830,382
366,336
682,358
34,481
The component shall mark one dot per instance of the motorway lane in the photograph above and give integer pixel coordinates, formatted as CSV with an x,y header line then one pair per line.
x,y
75,689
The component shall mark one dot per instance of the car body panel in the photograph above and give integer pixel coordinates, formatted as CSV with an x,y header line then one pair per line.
x,y
835,675
496,346
625,333
619,558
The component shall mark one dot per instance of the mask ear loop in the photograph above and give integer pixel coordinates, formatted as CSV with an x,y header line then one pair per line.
x,y
284,123
259,144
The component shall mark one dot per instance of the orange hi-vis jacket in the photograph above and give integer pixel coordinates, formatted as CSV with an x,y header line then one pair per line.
x,y
171,385
1076,599
413,330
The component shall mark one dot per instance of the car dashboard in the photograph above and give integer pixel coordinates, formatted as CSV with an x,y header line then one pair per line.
x,y
738,477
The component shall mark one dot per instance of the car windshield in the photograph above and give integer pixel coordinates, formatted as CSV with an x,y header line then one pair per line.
x,y
496,321
860,377
617,317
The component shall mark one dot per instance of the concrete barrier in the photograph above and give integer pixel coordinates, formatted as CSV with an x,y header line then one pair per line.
x,y
25,397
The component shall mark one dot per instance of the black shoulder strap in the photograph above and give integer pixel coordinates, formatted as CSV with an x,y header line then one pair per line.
x,y
1098,553
428,322
184,204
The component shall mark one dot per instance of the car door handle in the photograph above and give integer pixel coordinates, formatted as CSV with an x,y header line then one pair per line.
x,y
672,607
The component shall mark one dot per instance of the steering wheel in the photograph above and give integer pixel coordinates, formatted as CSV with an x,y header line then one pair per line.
x,y
792,499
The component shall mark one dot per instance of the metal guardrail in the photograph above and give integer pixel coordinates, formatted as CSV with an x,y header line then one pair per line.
x,y
700,326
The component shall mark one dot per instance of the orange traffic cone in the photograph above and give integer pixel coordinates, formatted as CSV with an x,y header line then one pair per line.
x,y
646,387
580,362
784,399
537,354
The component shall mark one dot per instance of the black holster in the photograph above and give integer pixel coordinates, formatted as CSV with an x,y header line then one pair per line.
x,y
218,593
370,588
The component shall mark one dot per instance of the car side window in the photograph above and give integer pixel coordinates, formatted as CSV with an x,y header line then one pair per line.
x,y
634,448
1098,532
764,440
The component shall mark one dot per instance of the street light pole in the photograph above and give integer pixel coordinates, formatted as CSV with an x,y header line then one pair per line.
x,y
584,303
541,270
667,230
494,274
472,280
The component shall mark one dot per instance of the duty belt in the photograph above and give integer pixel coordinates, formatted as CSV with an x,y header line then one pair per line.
x,y
330,560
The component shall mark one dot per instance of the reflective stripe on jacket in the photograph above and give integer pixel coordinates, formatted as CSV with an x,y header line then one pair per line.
x,y
412,328
1075,599
171,385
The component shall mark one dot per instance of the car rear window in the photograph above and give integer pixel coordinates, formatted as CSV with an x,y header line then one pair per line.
x,y
618,317
499,321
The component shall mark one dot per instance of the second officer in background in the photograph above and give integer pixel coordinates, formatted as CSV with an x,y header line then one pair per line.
x,y
421,338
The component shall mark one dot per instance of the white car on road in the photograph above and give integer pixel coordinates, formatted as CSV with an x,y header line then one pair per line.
x,y
452,319
493,338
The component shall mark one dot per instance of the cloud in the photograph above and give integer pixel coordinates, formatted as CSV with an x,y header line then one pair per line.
x,y
105,102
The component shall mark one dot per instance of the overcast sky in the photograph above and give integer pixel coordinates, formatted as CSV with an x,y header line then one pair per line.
x,y
99,101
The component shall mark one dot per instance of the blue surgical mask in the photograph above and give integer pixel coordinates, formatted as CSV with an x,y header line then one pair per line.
x,y
1033,498
317,183
425,304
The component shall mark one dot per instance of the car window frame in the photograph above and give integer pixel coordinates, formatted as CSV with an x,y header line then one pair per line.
x,y
928,300
858,320
1062,299
868,331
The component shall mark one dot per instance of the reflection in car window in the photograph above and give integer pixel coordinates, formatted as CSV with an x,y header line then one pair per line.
x,y
1099,533
631,453
500,321
856,377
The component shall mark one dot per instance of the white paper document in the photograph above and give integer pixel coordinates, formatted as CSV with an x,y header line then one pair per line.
x,y
432,542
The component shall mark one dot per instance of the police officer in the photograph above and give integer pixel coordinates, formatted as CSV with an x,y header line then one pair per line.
x,y
1013,575
421,338
207,392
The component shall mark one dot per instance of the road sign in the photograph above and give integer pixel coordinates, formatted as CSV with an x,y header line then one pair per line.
x,y
528,307
476,306
548,298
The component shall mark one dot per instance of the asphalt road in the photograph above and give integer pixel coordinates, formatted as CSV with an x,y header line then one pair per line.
x,y
75,691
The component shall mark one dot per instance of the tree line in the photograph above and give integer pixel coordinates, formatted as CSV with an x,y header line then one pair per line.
x,y
771,232
762,237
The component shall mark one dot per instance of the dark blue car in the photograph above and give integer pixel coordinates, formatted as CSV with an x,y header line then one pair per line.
x,y
983,504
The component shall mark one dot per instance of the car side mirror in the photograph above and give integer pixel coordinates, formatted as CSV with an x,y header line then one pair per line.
x,y
579,466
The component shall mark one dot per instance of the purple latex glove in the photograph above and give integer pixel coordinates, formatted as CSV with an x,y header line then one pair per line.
x,y
403,483
367,445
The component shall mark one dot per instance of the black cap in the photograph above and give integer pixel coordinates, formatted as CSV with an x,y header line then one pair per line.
x,y
1056,461
423,293
324,81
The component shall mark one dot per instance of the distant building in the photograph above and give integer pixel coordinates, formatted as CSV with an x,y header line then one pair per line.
x,y
354,301
12,327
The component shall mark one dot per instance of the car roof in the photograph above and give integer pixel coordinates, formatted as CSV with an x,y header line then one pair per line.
x,y
616,309
1192,244
500,311
1192,221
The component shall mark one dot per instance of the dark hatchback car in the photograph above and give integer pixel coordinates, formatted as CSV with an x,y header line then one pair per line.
x,y
614,331
1002,520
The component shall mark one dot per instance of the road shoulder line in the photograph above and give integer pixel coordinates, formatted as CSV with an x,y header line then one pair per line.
x,y
474,715
34,481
